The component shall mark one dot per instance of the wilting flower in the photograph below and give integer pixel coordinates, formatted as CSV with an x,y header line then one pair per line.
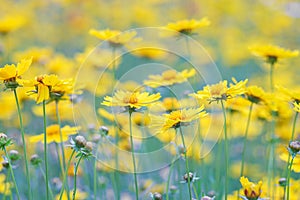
x,y
251,190
10,74
169,77
114,37
272,53
131,100
53,134
188,26
221,91
178,118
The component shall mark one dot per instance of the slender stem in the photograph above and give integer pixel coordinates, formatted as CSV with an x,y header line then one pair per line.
x,y
24,145
245,144
12,173
44,176
65,176
186,163
226,150
95,172
292,138
288,178
195,191
45,150
271,77
75,176
133,158
60,135
61,146
245,139
168,181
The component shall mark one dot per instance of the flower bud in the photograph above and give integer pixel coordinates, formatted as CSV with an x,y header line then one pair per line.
x,y
89,146
282,182
80,141
104,130
5,164
206,198
190,177
35,159
294,146
3,136
14,155
157,196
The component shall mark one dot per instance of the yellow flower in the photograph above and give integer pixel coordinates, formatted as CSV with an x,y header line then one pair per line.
x,y
188,26
178,118
251,190
43,85
272,53
169,77
10,73
53,134
11,23
296,164
296,106
221,91
5,187
79,195
131,100
255,94
291,94
114,37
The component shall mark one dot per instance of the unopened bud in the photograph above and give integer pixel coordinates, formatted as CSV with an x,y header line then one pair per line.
x,y
80,141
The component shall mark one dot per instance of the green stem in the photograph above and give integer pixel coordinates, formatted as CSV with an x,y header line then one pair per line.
x,y
65,176
245,143
226,150
271,77
195,191
133,158
44,176
186,163
45,150
75,176
12,173
60,135
288,178
168,181
61,146
24,145
292,138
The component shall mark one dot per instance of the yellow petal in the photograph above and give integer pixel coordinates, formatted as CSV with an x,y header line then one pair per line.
x,y
23,66
7,72
43,93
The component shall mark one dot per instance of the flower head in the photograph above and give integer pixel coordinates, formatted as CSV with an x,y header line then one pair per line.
x,y
255,94
114,37
169,77
221,91
53,134
251,190
178,118
9,74
131,100
272,53
188,26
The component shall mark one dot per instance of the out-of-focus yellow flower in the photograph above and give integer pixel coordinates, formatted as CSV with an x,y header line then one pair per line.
x,y
188,26
149,52
11,23
221,91
296,106
255,94
141,119
39,55
251,190
79,195
272,53
130,99
10,73
5,187
169,77
53,134
114,37
296,163
178,118
291,95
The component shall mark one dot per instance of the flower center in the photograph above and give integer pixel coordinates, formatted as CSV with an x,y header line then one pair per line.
x,y
217,90
168,75
132,99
